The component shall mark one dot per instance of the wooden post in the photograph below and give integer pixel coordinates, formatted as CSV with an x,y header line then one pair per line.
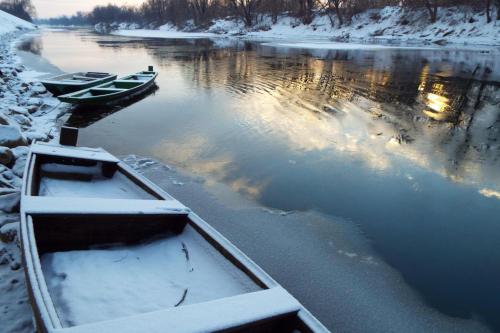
x,y
68,136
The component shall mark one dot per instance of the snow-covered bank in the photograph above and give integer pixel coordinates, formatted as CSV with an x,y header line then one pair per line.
x,y
10,23
390,25
27,113
174,34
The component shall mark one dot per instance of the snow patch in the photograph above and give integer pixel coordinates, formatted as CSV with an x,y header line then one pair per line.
x,y
90,286
27,112
170,34
10,23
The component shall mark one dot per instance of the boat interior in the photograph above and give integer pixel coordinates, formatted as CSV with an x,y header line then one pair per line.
x,y
158,265
122,246
55,176
116,86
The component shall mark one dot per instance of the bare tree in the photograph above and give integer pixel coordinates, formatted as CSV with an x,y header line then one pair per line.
x,y
306,8
488,10
330,6
432,7
155,10
23,9
246,9
273,7
200,9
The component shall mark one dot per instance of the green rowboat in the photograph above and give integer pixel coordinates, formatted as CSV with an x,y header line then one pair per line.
x,y
68,83
123,88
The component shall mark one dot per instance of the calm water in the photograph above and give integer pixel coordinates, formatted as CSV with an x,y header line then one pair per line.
x,y
403,144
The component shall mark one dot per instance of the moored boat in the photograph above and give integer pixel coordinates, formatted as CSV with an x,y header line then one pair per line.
x,y
105,250
116,90
68,83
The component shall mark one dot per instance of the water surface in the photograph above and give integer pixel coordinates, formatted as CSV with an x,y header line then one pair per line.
x,y
402,144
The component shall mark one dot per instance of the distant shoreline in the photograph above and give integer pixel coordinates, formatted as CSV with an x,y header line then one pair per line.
x,y
387,26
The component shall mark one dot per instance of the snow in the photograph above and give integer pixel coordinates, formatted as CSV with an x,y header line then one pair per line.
x,y
82,153
103,284
68,205
214,316
343,46
10,23
10,136
27,112
390,25
15,314
118,187
172,34
9,231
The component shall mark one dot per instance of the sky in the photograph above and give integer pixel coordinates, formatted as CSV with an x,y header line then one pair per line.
x,y
52,8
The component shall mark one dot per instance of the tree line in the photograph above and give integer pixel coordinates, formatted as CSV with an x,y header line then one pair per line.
x,y
23,9
154,13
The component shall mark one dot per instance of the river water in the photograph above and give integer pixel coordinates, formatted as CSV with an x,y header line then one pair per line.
x,y
401,144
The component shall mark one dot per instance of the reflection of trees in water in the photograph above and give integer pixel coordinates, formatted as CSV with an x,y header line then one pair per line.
x,y
451,111
438,98
33,45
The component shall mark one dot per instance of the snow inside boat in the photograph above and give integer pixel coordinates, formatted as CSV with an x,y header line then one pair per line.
x,y
105,250
111,92
68,83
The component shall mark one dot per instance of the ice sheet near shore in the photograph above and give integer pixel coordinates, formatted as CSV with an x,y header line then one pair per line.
x,y
389,25
27,113
103,284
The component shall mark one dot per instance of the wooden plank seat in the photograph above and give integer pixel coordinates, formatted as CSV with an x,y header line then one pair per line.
x,y
128,81
58,205
97,74
108,90
83,78
227,314
68,152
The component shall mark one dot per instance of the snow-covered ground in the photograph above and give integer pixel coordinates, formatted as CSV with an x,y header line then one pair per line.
x,y
27,113
9,23
390,25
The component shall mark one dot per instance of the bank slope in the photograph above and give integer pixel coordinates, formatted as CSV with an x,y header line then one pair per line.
x,y
10,23
27,113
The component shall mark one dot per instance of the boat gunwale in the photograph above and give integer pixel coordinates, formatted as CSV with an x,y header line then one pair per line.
x,y
60,87
56,80
39,299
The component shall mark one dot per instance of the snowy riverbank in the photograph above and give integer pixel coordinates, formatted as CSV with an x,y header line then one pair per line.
x,y
27,113
390,25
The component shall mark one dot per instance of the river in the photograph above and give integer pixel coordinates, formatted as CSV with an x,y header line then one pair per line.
x,y
400,145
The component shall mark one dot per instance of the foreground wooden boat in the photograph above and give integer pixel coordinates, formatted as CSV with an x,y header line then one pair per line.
x,y
172,272
68,83
125,87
